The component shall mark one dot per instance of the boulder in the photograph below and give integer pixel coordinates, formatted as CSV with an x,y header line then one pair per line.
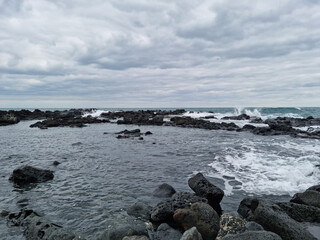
x,y
8,119
309,197
135,238
123,226
253,226
140,210
253,235
316,187
200,215
164,190
191,234
230,224
272,218
165,232
26,174
164,211
300,212
203,188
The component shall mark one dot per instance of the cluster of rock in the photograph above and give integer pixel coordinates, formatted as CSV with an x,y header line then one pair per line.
x,y
135,133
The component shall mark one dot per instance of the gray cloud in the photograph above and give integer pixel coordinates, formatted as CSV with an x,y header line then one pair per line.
x,y
141,53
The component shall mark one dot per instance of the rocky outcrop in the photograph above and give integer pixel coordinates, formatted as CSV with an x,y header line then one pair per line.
x,y
8,119
300,212
203,188
273,218
26,174
200,215
309,197
164,190
239,117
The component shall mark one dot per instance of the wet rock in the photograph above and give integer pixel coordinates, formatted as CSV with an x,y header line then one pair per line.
x,y
248,127
200,215
26,174
203,188
148,133
23,202
56,163
253,235
164,190
163,211
37,227
272,218
316,187
191,234
8,119
140,210
253,226
135,238
4,213
240,117
300,212
230,224
165,232
123,226
309,197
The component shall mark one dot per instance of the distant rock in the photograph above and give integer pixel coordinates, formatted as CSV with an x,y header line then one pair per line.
x,y
26,174
239,117
164,190
8,119
56,163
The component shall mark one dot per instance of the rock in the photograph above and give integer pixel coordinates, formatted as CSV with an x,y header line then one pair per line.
x,y
124,226
203,188
253,226
191,234
165,232
248,127
253,235
4,213
272,218
300,212
148,133
8,119
135,238
240,117
309,197
316,187
230,224
164,211
164,190
26,174
37,227
200,215
56,163
140,210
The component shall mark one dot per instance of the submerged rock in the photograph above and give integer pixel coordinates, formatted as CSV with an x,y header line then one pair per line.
x,y
26,174
200,215
203,188
164,190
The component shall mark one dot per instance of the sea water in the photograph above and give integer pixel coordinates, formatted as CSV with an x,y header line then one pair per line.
x,y
100,176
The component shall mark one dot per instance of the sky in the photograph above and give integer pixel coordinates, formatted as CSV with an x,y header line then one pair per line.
x,y
164,53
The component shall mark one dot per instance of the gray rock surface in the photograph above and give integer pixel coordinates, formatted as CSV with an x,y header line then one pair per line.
x,y
253,235
164,190
300,212
230,224
140,210
253,226
135,238
191,234
165,232
309,197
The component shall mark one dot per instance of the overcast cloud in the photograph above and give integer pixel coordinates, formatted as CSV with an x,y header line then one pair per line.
x,y
143,53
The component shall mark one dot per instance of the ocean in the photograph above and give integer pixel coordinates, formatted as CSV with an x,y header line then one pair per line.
x,y
100,176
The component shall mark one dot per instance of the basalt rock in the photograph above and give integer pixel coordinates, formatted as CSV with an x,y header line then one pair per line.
x,y
203,188
230,224
309,197
140,210
253,235
164,190
200,215
301,212
8,119
240,117
26,174
271,216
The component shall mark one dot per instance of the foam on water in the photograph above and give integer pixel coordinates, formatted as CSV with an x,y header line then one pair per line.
x,y
283,169
95,113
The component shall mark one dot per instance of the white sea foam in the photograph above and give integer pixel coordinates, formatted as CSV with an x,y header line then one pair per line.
x,y
197,114
263,172
95,113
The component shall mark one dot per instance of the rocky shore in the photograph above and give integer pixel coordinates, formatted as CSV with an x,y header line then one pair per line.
x,y
75,118
193,215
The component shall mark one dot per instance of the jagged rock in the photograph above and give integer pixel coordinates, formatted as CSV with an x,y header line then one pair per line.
x,y
309,197
203,188
164,190
140,210
240,117
300,212
273,218
200,215
230,224
253,235
191,234
26,174
8,119
165,232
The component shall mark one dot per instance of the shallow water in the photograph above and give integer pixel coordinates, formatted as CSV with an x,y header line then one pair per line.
x,y
100,175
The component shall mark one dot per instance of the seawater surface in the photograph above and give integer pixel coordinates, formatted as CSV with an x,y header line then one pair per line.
x,y
100,176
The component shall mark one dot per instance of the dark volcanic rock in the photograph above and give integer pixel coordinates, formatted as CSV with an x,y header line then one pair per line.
x,y
230,224
8,119
37,227
316,187
191,234
165,232
253,235
273,218
240,117
309,197
163,211
253,226
203,188
200,215
140,210
164,190
26,174
56,163
300,212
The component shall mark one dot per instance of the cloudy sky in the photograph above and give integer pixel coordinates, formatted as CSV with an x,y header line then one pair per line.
x,y
164,53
